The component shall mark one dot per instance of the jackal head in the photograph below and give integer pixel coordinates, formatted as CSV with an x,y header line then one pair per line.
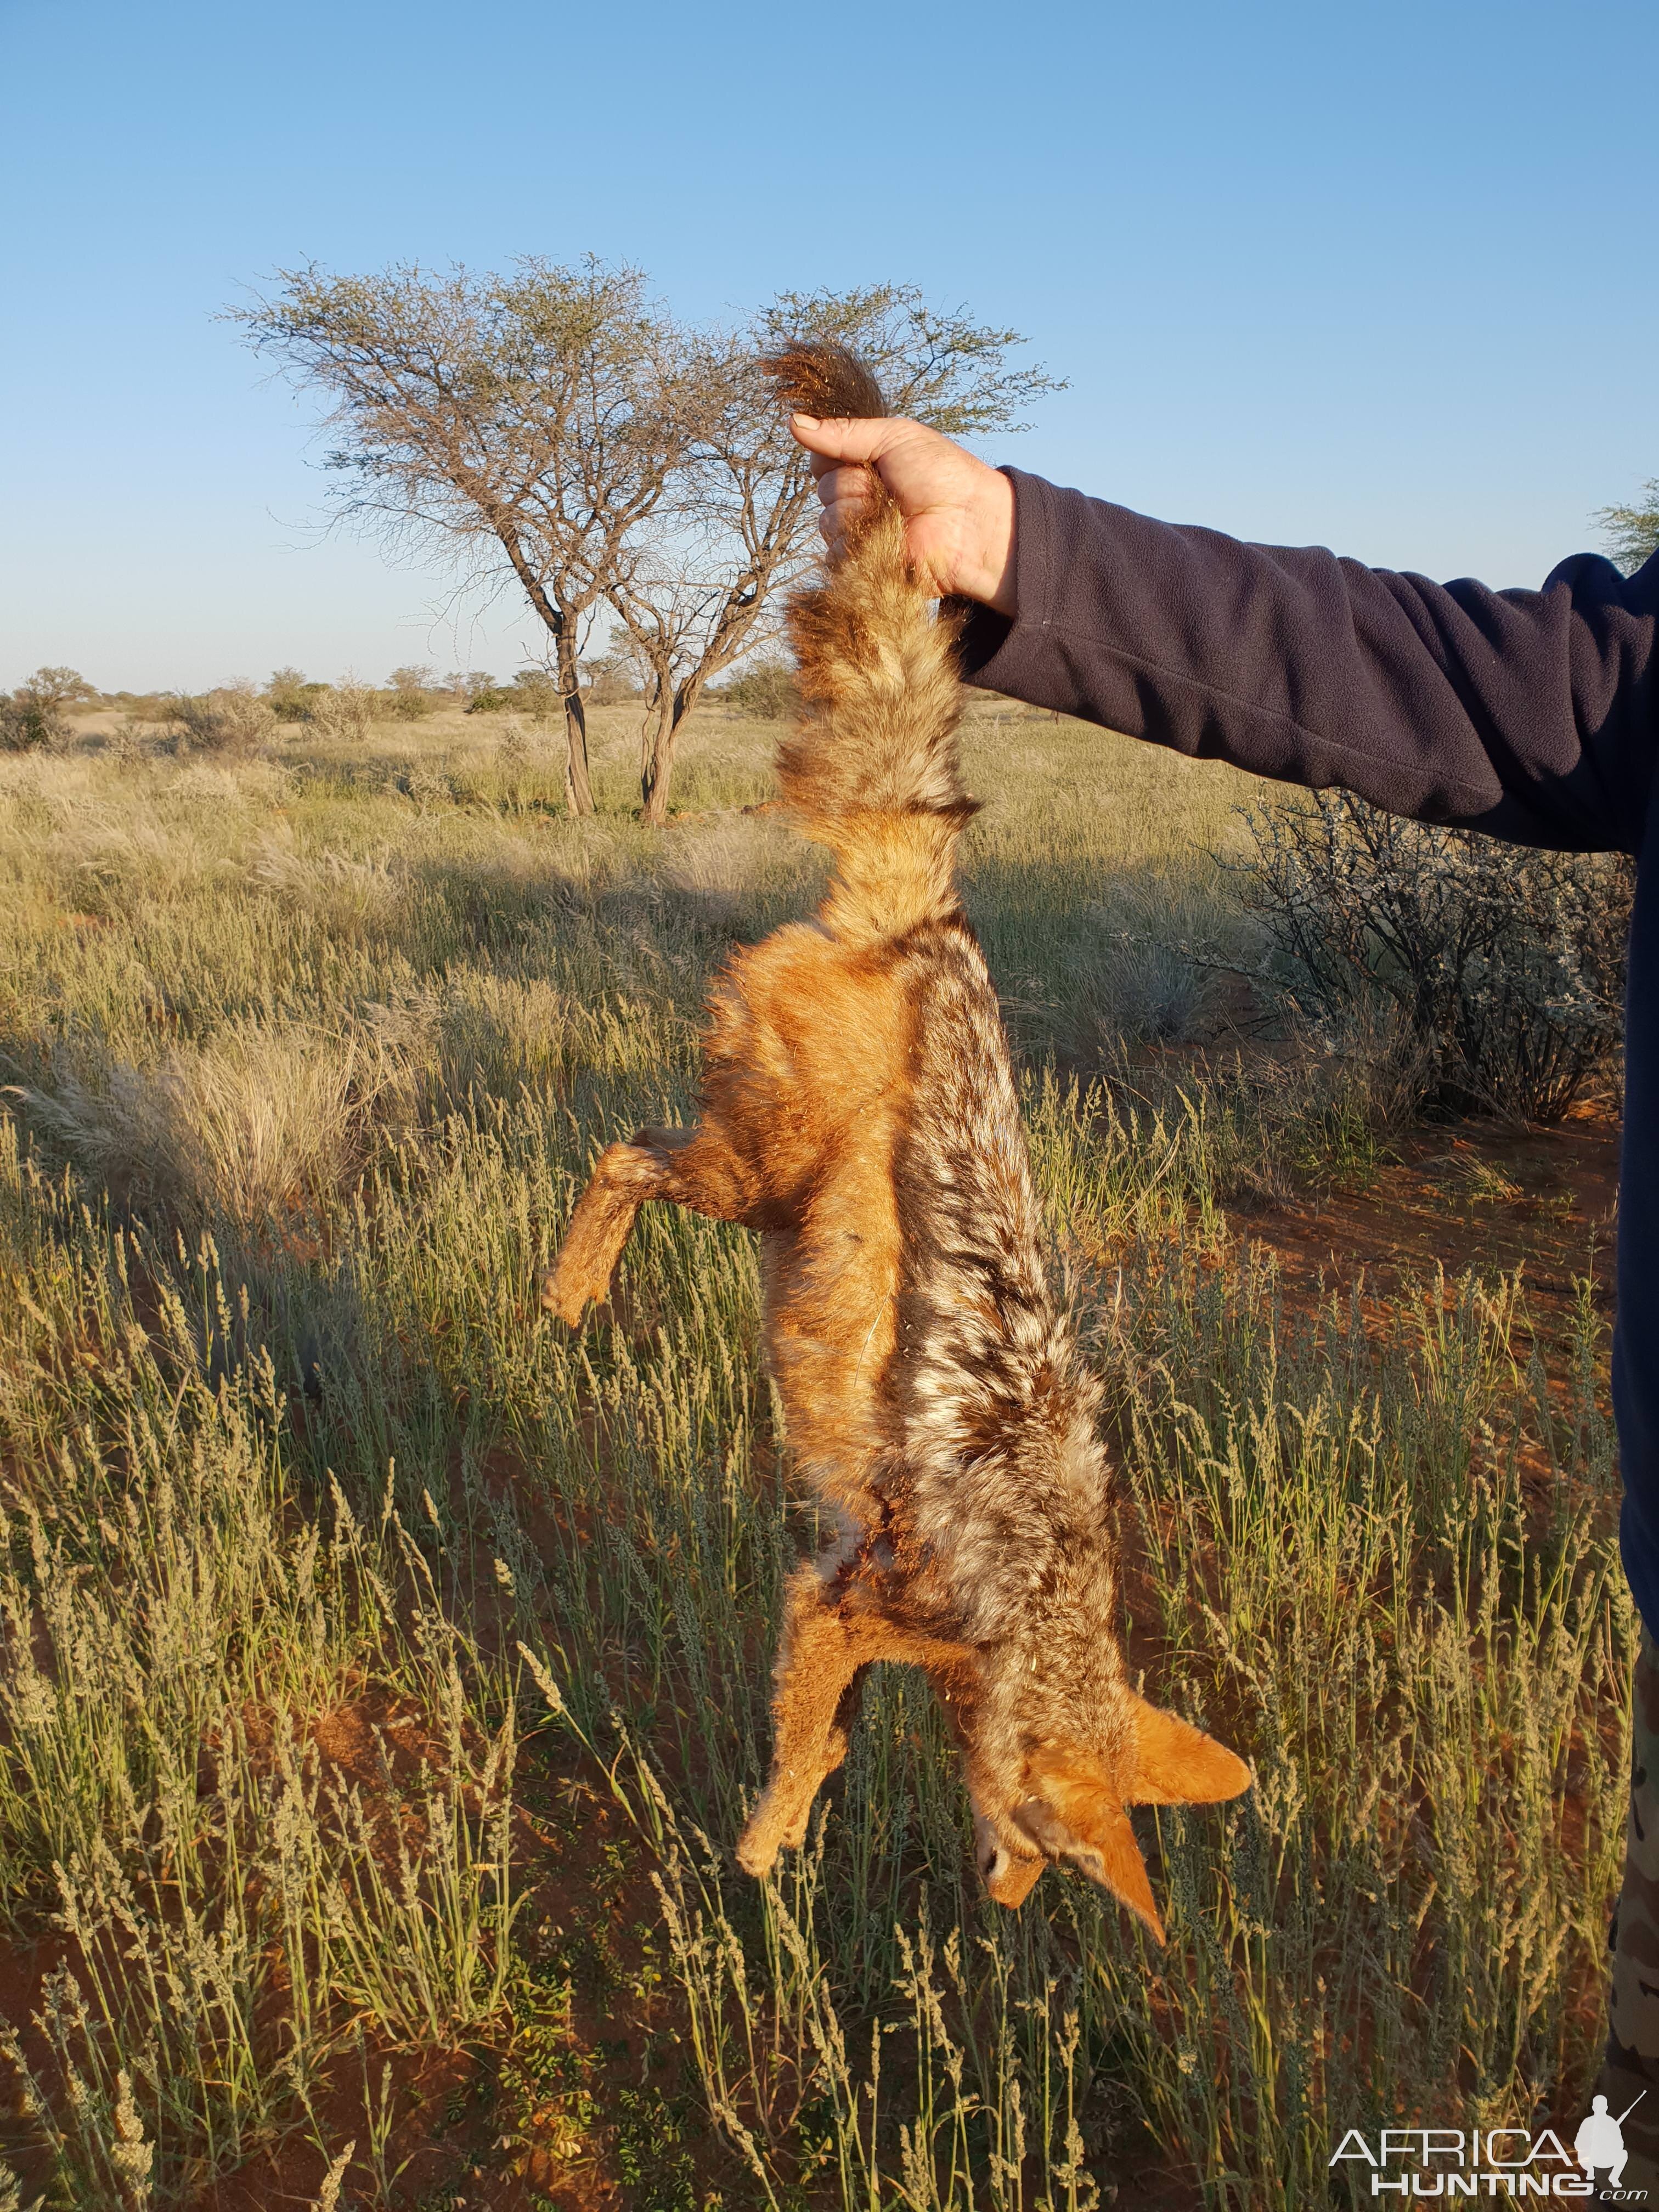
x,y
1071,1804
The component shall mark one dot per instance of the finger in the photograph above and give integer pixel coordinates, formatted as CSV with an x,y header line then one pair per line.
x,y
846,516
860,440
838,483
837,480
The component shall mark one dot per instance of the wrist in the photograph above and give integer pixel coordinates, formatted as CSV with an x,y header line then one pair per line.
x,y
988,565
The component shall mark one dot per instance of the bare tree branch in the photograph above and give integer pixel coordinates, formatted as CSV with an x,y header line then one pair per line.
x,y
715,556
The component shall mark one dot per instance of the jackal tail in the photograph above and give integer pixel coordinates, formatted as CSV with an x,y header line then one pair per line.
x,y
871,770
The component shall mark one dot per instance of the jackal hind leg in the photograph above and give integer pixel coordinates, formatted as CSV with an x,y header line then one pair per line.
x,y
819,1683
694,1168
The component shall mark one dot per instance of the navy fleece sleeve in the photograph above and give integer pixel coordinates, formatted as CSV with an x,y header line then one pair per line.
x,y
1529,715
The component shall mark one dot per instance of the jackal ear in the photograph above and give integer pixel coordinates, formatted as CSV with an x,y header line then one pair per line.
x,y
1175,1764
1080,1817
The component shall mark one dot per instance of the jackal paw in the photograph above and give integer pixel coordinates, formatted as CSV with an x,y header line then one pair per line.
x,y
772,1828
569,1288
757,1847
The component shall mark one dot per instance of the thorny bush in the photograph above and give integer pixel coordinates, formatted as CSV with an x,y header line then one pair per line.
x,y
31,717
1506,966
232,720
26,724
767,690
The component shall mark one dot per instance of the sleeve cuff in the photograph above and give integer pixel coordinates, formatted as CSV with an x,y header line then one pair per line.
x,y
1014,657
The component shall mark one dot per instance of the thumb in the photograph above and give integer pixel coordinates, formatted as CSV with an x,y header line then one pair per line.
x,y
863,440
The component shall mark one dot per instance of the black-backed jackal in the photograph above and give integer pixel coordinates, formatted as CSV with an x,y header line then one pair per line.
x,y
858,1112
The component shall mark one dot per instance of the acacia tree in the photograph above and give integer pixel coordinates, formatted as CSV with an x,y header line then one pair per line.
x,y
530,424
707,568
1632,532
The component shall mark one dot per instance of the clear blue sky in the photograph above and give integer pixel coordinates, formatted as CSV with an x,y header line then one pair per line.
x,y
1379,277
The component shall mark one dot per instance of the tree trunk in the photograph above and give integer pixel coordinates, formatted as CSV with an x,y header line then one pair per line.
x,y
578,791
672,714
657,759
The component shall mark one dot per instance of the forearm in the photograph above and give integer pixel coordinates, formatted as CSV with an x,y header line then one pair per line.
x,y
1528,714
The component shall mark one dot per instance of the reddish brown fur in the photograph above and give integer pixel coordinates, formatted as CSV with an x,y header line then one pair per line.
x,y
858,1113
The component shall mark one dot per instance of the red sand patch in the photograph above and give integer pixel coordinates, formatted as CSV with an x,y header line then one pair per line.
x,y
1465,1196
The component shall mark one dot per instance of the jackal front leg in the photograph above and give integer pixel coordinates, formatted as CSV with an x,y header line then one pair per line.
x,y
623,1177
690,1167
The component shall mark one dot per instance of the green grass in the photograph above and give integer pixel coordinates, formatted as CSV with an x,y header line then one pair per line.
x,y
326,1557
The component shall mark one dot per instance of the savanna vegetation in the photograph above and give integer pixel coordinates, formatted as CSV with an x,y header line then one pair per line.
x,y
384,1669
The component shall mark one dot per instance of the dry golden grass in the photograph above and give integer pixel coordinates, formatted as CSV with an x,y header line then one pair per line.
x,y
307,1052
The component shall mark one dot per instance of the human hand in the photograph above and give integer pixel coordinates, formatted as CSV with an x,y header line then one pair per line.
x,y
958,514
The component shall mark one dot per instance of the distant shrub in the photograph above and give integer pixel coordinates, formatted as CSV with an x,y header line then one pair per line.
x,y
57,688
26,724
142,706
291,695
33,715
768,691
408,692
609,679
536,693
192,720
347,710
1503,967
533,691
233,719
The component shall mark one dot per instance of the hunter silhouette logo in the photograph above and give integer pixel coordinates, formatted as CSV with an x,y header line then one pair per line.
x,y
1451,2163
1600,2141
